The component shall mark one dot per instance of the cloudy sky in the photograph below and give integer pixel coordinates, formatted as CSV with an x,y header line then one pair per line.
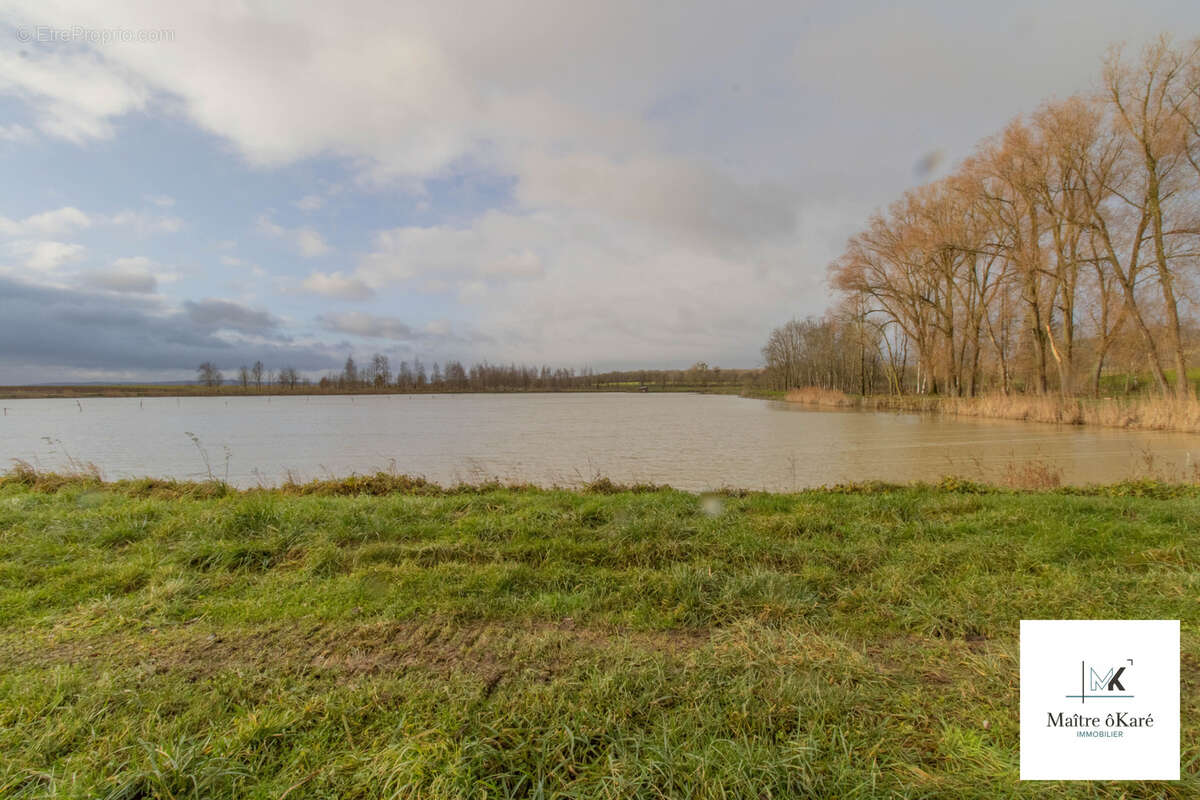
x,y
580,184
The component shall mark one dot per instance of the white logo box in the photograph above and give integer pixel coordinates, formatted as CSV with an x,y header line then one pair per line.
x,y
1099,699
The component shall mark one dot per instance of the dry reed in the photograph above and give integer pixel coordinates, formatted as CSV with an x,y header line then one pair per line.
x,y
816,396
1141,413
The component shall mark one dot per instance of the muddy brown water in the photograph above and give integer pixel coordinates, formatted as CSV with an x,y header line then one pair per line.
x,y
690,441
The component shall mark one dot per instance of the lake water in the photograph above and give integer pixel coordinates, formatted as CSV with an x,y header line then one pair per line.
x,y
690,441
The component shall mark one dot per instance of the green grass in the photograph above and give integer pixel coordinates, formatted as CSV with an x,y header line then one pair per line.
x,y
165,640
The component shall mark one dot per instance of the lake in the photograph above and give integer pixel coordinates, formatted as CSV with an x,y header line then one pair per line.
x,y
689,441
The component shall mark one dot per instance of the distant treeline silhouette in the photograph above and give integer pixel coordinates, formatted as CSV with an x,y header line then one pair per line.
x,y
378,374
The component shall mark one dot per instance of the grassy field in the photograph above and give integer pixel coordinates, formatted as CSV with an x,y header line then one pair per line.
x,y
383,638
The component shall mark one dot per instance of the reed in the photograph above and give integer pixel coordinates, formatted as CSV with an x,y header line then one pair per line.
x,y
816,396
1138,413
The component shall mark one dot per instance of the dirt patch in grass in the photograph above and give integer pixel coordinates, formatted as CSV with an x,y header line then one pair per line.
x,y
344,651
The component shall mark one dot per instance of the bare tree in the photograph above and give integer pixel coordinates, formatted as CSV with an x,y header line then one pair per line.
x,y
288,377
209,375
381,372
350,372
1074,233
1146,98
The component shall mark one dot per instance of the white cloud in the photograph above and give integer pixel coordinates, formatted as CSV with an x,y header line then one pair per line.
x,y
49,223
516,264
496,246
336,285
161,200
78,93
472,292
161,273
408,95
308,242
46,256
134,263
267,226
597,286
68,219
310,202
146,224
15,133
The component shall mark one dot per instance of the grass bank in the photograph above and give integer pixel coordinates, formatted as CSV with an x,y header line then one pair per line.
x,y
1138,412
389,638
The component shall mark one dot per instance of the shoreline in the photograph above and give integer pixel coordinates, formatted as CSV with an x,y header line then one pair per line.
x,y
386,484
1135,413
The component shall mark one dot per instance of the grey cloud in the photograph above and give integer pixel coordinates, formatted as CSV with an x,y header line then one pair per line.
x,y
121,280
47,330
373,326
216,314
692,201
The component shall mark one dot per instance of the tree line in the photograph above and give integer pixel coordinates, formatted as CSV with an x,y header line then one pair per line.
x,y
378,374
1062,249
256,376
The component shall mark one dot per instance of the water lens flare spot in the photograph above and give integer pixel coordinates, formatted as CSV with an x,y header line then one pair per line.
x,y
712,505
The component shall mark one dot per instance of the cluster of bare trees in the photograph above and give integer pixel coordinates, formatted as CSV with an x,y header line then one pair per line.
x,y
485,377
377,373
829,353
1063,247
257,376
